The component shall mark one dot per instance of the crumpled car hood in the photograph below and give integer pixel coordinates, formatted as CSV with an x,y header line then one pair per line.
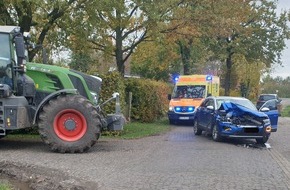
x,y
238,110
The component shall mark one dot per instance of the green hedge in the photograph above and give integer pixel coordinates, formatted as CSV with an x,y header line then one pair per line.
x,y
112,82
149,99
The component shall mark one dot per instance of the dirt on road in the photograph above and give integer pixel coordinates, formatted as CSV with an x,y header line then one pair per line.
x,y
26,177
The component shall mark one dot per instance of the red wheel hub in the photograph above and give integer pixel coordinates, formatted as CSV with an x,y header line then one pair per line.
x,y
70,125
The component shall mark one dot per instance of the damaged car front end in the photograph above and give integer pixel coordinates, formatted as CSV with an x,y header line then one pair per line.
x,y
236,121
233,117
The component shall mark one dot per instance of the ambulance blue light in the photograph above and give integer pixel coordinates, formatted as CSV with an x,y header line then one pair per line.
x,y
208,78
178,109
176,78
190,109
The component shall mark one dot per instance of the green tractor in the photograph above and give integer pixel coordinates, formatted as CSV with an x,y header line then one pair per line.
x,y
61,102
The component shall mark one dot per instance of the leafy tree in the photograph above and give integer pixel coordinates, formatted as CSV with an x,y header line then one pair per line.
x,y
278,85
155,59
117,27
247,76
229,29
44,19
249,28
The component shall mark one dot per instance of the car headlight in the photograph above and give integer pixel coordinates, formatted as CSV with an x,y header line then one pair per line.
x,y
171,108
267,122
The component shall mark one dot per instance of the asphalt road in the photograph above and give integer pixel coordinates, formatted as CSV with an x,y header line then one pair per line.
x,y
178,160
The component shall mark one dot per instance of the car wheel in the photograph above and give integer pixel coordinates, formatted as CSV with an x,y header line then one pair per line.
x,y
262,140
215,133
196,129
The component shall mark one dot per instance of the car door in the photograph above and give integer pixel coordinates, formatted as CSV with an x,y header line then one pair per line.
x,y
209,114
272,112
201,113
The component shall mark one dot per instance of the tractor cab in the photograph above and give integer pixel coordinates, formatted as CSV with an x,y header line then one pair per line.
x,y
5,59
13,64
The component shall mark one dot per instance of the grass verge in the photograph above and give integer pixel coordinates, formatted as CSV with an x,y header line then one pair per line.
x,y
23,137
285,112
5,186
134,130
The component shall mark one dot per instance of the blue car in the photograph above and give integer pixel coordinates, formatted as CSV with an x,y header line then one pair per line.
x,y
235,117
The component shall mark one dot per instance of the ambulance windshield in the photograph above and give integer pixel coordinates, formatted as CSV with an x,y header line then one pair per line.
x,y
189,91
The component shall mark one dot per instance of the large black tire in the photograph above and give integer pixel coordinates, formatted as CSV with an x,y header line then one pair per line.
x,y
69,124
196,129
262,140
215,134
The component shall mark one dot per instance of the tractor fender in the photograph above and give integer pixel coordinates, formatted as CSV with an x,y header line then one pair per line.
x,y
49,97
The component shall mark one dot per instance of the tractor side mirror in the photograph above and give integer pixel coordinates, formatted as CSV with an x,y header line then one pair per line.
x,y
20,52
20,47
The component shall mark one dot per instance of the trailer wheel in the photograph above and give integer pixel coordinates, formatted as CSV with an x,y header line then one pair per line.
x,y
69,124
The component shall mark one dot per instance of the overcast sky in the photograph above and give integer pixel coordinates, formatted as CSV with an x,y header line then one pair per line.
x,y
283,71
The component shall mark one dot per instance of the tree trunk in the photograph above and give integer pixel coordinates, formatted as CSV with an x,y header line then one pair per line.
x,y
119,56
185,51
229,64
119,45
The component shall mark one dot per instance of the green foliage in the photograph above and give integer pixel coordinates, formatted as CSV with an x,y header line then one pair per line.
x,y
271,85
31,130
80,62
112,82
149,99
47,21
155,60
115,27
135,129
286,112
5,186
132,130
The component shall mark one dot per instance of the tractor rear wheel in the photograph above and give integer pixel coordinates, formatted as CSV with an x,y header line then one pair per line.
x,y
69,124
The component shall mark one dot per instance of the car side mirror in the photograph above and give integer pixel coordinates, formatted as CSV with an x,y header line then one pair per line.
x,y
210,107
169,96
264,109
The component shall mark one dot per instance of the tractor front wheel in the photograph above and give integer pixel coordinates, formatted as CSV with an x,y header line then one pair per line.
x,y
69,124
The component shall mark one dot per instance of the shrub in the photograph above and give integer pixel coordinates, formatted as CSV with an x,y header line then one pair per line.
x,y
112,82
149,99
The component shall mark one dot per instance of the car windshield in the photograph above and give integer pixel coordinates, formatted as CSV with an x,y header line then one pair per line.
x,y
266,97
189,91
243,102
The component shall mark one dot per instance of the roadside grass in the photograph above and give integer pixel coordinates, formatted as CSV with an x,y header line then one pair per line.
x,y
5,186
134,130
285,112
23,137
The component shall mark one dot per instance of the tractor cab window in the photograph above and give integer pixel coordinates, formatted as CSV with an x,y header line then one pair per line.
x,y
5,47
5,68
